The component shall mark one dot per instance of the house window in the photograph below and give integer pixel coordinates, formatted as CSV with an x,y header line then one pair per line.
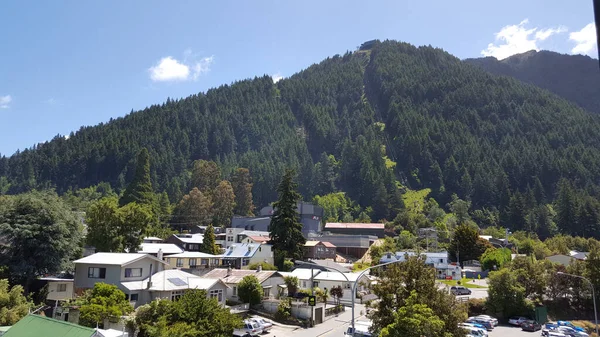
x,y
234,291
175,295
230,239
194,247
441,260
267,292
133,297
245,262
218,294
347,286
167,260
303,284
204,262
315,284
179,262
259,248
95,272
133,272
192,262
61,288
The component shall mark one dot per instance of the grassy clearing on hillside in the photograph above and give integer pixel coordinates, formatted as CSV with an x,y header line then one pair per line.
x,y
465,282
415,200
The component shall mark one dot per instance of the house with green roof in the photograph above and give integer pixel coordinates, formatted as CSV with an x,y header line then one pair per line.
x,y
37,326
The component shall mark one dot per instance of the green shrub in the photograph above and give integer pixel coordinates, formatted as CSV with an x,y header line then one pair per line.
x,y
284,310
477,306
265,266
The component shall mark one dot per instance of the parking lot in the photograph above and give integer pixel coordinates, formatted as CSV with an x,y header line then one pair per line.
x,y
510,331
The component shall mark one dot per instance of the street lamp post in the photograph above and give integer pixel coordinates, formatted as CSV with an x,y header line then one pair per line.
x,y
356,282
593,295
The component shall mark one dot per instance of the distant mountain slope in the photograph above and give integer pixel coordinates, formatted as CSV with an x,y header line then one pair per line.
x,y
357,123
574,77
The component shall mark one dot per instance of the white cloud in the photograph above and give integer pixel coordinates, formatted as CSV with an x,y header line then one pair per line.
x,y
202,66
515,39
585,40
169,69
5,101
276,77
51,101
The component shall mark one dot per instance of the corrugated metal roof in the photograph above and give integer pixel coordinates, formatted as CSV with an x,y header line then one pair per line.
x,y
118,259
193,255
311,243
190,238
152,248
37,326
241,250
328,244
238,274
330,225
259,238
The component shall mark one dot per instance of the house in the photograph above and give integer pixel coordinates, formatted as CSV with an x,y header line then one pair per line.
x,y
270,280
319,250
304,276
238,235
329,279
193,261
352,245
152,239
440,261
154,248
171,284
36,326
60,287
241,255
565,260
329,265
256,239
202,230
187,242
579,255
309,216
115,268
376,229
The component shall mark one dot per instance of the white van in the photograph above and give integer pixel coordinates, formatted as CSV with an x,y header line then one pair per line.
x,y
361,330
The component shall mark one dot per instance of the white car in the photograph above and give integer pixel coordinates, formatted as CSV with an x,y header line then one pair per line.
x,y
488,317
262,323
517,320
571,332
249,328
483,332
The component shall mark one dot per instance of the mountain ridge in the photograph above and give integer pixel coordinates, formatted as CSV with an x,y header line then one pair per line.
x,y
363,123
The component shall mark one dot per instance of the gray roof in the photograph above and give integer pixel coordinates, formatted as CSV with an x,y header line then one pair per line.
x,y
236,275
190,238
119,259
241,250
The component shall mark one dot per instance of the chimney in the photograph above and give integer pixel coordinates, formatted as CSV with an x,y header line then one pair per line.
x,y
150,278
160,254
228,271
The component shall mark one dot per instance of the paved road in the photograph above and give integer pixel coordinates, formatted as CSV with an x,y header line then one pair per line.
x,y
509,331
333,326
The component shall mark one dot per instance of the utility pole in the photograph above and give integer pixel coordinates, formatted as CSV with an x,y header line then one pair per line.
x,y
312,292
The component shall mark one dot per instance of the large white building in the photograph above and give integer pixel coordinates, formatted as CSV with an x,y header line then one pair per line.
x,y
440,261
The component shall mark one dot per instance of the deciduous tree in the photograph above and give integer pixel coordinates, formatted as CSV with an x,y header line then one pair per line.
x,y
194,209
250,290
223,204
206,175
13,304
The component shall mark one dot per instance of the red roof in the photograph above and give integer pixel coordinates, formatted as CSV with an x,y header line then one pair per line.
x,y
259,238
355,225
328,244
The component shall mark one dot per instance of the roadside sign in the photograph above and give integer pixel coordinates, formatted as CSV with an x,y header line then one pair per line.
x,y
312,300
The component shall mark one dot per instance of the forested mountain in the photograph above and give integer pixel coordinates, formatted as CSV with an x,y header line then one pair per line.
x,y
366,123
574,77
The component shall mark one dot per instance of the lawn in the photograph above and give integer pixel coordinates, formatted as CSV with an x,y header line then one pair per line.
x,y
465,282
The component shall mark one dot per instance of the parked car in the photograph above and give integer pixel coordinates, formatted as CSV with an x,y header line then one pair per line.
x,y
531,325
479,327
472,331
552,333
571,332
570,325
486,323
517,320
458,290
493,319
263,324
249,328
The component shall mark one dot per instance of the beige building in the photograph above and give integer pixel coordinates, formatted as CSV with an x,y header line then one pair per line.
x,y
193,261
59,289
270,280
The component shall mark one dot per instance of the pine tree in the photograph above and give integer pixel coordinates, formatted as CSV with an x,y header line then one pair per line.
x,y
140,188
242,189
223,204
208,245
566,207
466,184
206,175
164,205
285,230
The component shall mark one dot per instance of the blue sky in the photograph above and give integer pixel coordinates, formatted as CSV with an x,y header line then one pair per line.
x,y
65,64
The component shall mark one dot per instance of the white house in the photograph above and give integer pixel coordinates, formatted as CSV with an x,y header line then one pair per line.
x,y
270,280
328,279
59,288
304,276
241,255
444,268
115,268
172,284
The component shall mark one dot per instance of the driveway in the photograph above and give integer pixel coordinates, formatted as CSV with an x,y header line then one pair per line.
x,y
333,326
510,331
